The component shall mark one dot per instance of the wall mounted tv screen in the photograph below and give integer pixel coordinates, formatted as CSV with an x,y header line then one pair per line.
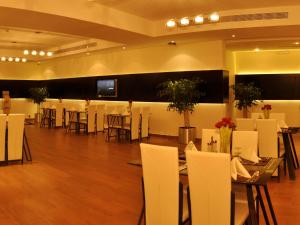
x,y
107,88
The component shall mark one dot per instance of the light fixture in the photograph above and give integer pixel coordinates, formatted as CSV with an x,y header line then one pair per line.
x,y
17,59
171,23
3,58
33,52
256,49
296,43
233,35
10,59
49,54
184,21
199,19
124,47
26,52
214,17
42,53
24,60
172,43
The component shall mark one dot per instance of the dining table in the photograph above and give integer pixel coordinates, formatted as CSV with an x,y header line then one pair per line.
x,y
260,172
74,118
116,121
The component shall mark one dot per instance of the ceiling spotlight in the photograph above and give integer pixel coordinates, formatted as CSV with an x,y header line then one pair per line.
x,y
42,53
124,47
172,43
49,54
184,21
171,23
214,17
3,58
26,52
297,43
33,52
198,19
256,49
233,35
24,60
17,59
10,59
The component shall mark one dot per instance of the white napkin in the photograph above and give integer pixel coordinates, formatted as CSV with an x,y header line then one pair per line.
x,y
250,154
238,169
190,147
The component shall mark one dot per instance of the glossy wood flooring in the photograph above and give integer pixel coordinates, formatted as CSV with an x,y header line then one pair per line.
x,y
83,180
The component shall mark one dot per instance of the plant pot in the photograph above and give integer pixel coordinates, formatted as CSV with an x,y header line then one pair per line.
x,y
185,135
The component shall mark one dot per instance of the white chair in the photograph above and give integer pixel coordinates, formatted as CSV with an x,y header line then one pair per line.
x,y
89,122
134,126
268,138
207,134
3,119
15,125
145,122
210,190
245,124
59,115
244,141
280,117
162,188
100,118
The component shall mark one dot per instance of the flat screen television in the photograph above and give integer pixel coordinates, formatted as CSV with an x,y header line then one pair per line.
x,y
107,88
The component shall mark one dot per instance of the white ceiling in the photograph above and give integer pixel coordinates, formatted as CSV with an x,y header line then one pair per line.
x,y
165,9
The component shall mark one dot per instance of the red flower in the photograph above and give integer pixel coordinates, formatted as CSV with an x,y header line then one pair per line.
x,y
225,122
266,107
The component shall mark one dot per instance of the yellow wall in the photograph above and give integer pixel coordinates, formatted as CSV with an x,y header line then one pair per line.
x,y
191,56
19,71
268,62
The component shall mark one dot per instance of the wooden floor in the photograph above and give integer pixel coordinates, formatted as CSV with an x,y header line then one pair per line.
x,y
83,180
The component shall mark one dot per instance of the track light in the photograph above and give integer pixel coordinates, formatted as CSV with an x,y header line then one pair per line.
x,y
184,21
214,17
171,23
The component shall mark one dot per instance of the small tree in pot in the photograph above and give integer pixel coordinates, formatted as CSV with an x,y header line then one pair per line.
x,y
183,95
246,95
38,95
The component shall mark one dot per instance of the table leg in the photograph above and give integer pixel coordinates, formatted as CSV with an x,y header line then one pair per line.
x,y
270,204
288,155
77,123
263,208
296,162
251,206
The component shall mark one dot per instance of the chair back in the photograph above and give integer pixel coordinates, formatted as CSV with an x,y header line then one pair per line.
x,y
120,109
100,117
59,115
91,116
244,141
145,122
135,123
15,124
245,124
210,187
267,137
280,117
207,134
3,119
110,109
257,116
161,184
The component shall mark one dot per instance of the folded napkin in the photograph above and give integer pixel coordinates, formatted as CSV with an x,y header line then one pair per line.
x,y
190,147
238,169
250,155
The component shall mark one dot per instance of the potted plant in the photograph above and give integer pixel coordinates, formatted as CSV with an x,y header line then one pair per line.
x,y
38,95
246,95
183,95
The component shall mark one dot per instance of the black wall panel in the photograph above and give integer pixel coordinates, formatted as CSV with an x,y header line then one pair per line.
x,y
137,87
274,86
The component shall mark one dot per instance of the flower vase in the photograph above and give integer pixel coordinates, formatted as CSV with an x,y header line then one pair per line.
x,y
225,135
266,114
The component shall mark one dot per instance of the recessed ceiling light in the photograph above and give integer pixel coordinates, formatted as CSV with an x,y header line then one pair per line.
x,y
26,52
124,47
233,35
42,53
172,43
87,53
184,21
17,59
49,54
10,59
33,52
257,49
171,23
3,58
296,43
199,19
214,17
24,60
